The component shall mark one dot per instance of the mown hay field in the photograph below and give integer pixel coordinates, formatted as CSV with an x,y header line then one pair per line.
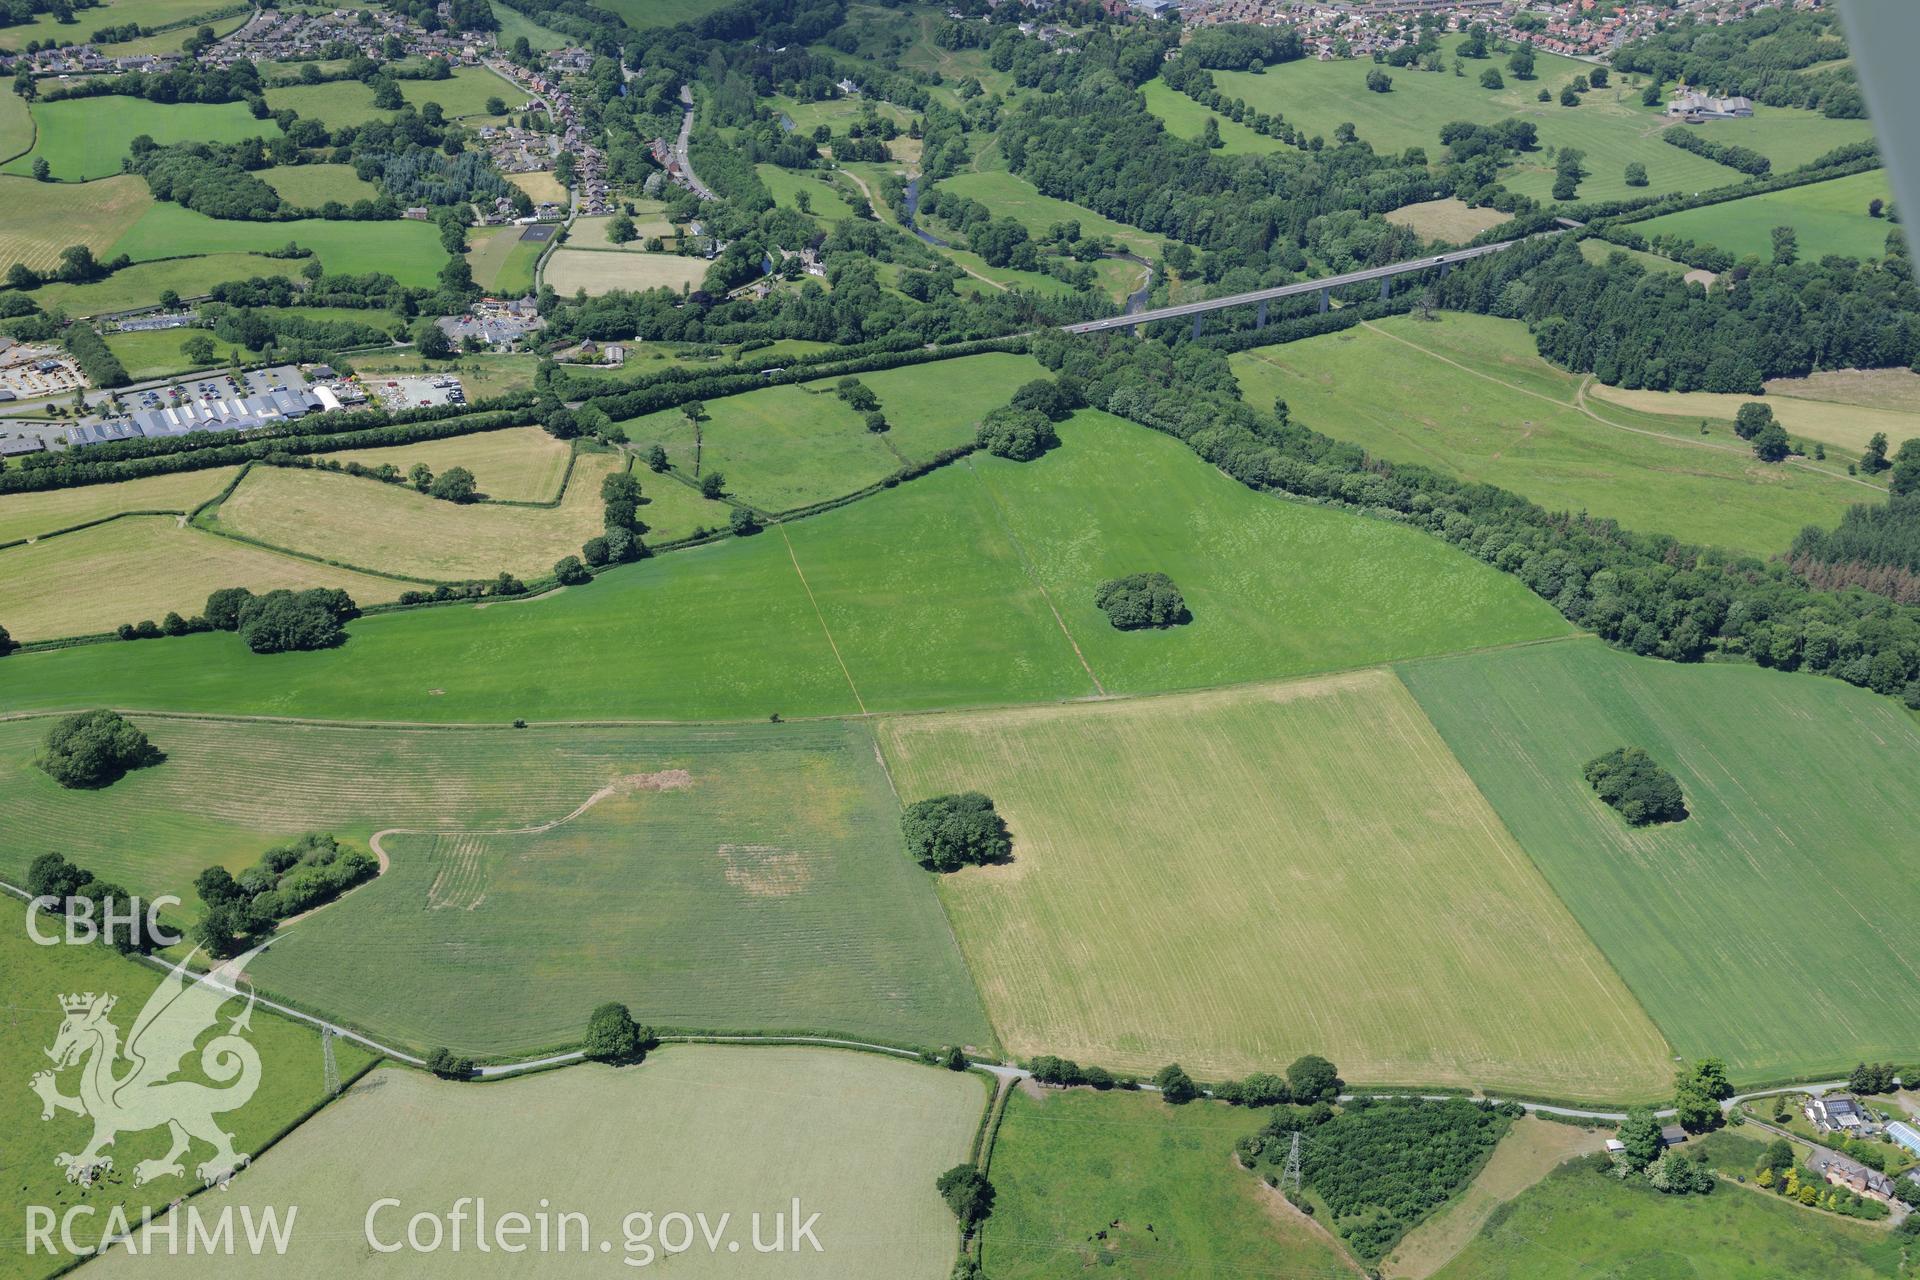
x,y
1827,217
790,446
1579,1222
39,219
514,464
1449,219
502,262
695,1129
84,138
143,567
391,528
37,977
28,515
1068,1163
1768,927
408,251
930,593
649,219
1232,879
571,270
1844,425
745,879
308,186
1469,396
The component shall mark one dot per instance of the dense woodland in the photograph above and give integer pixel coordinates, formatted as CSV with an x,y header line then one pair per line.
x,y
1763,57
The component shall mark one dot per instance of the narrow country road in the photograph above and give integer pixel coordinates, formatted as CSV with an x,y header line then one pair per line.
x,y
700,188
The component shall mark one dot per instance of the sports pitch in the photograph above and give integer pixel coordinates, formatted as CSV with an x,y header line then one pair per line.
x,y
1766,928
695,1129
1233,879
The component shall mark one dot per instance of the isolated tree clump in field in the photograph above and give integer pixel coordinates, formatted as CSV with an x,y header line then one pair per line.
x,y
7,644
455,484
1019,434
95,749
613,1035
1142,600
289,621
948,832
1628,779
968,1193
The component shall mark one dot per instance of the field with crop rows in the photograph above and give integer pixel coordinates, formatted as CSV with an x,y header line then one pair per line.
x,y
746,879
695,1129
390,528
1469,396
1767,927
1233,879
39,219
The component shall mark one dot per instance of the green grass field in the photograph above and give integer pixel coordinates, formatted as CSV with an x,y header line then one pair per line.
x,y
695,1129
1579,1223
39,219
350,102
1232,879
825,202
570,271
747,879
643,14
1768,927
49,30
1470,396
28,515
37,977
308,186
1610,125
1844,424
790,446
1187,119
502,262
393,529
84,138
1829,217
408,251
142,567
1068,1163
158,353
928,586
1009,196
16,126
514,24
142,284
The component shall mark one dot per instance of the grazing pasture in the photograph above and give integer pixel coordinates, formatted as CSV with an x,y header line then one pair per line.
x,y
1010,196
825,202
141,284
37,978
1170,899
16,126
1275,587
649,219
1187,119
408,251
791,446
1727,925
1469,396
159,353
82,138
515,24
29,515
571,270
1579,1222
744,879
644,14
339,103
729,1133
49,30
391,528
308,186
516,464
1828,217
142,567
39,219
732,630
1067,1163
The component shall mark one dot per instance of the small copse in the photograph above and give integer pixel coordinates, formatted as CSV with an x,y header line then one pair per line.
x,y
1142,600
93,749
945,833
1629,779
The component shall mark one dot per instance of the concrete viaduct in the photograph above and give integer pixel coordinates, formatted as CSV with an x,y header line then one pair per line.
x,y
1261,297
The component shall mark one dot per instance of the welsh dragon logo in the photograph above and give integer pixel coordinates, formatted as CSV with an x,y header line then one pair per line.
x,y
127,1088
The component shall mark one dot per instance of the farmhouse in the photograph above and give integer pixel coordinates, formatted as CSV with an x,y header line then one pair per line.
x,y
1699,106
1836,1112
1851,1174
